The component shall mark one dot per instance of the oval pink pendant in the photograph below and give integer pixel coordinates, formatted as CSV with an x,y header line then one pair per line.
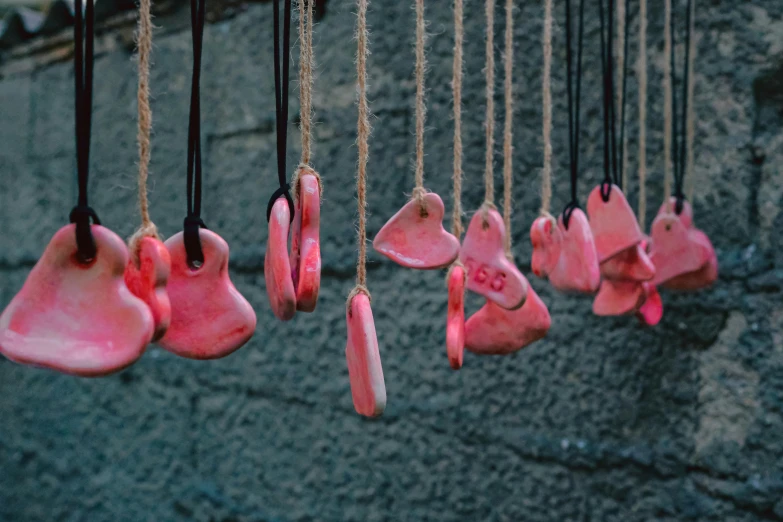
x,y
631,264
277,268
148,280
364,359
496,331
490,273
305,242
209,317
455,321
415,238
77,318
613,223
567,256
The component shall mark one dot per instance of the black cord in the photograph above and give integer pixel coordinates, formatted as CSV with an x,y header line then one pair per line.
x,y
573,106
606,184
81,214
679,177
193,221
624,91
281,104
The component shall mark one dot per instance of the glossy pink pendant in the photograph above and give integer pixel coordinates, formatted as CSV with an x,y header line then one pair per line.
x,y
613,223
490,273
77,318
496,331
415,238
671,249
455,321
148,280
209,317
305,242
277,268
364,359
567,256
632,264
704,276
618,297
651,312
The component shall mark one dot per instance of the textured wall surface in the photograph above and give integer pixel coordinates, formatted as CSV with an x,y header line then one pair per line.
x,y
602,421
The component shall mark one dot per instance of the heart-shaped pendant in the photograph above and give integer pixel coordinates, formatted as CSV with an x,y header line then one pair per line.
x,y
364,359
455,321
651,312
704,276
209,317
77,318
305,241
613,223
496,331
277,268
566,255
490,273
671,249
414,237
632,264
147,280
618,297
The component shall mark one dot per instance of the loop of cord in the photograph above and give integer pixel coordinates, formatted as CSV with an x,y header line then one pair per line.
x,y
363,134
489,130
568,212
281,101
284,192
193,221
83,35
456,87
574,112
300,171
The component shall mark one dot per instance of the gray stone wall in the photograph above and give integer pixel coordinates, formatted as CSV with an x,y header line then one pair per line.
x,y
602,421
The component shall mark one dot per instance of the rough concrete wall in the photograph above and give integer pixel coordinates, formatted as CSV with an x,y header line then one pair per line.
x,y
603,420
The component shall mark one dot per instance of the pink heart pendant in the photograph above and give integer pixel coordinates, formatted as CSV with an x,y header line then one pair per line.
x,y
631,264
364,359
490,273
567,256
305,241
613,223
704,276
455,321
651,312
415,238
209,317
496,331
618,297
77,318
277,268
671,248
148,280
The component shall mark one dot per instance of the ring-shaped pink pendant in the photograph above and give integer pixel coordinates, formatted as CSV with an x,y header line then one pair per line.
x,y
77,318
305,241
209,317
277,267
147,280
364,359
455,319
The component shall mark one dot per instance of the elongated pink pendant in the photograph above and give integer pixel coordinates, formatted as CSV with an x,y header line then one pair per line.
x,y
618,297
277,268
704,276
490,273
209,317
671,249
455,321
305,242
364,359
415,237
613,223
496,331
148,280
651,312
77,318
631,264
567,256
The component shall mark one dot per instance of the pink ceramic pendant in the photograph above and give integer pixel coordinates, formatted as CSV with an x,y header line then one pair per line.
x,y
148,279
567,256
490,273
277,269
651,312
496,331
455,321
416,239
671,249
704,276
613,223
618,297
209,317
364,360
305,243
77,318
631,264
